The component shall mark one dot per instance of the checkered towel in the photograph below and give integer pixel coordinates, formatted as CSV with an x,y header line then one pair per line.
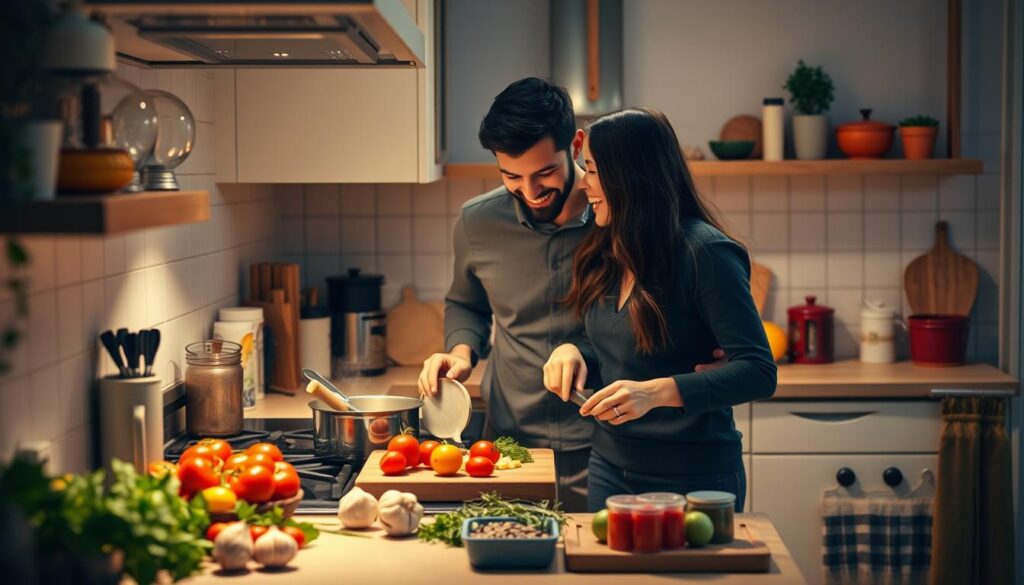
x,y
876,539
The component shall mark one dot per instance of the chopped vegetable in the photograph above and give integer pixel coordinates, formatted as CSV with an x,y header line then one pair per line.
x,y
510,448
447,528
506,463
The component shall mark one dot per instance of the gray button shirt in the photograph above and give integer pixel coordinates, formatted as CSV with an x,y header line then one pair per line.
x,y
518,271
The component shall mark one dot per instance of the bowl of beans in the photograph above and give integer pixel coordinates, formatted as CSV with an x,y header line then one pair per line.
x,y
507,543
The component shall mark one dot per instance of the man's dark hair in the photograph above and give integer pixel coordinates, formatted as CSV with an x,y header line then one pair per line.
x,y
525,113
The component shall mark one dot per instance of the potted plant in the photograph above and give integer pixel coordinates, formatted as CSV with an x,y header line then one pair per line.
x,y
810,90
918,134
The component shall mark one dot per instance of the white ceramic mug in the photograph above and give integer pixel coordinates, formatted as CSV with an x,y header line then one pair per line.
x,y
131,420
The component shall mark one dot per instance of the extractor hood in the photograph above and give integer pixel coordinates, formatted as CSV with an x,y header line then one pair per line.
x,y
262,33
586,53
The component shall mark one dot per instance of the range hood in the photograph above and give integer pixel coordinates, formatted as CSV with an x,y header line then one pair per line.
x,y
262,33
586,53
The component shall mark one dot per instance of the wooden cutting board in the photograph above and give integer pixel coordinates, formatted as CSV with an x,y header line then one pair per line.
x,y
415,330
941,281
584,554
532,481
743,127
760,281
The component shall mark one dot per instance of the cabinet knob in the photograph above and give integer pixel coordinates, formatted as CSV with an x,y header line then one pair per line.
x,y
846,477
892,476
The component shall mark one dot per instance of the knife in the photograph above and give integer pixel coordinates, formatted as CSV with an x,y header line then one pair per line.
x,y
578,399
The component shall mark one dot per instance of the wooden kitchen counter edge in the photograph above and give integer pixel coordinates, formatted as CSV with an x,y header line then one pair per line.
x,y
335,558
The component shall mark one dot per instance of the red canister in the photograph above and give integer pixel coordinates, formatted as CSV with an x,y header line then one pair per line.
x,y
938,340
810,333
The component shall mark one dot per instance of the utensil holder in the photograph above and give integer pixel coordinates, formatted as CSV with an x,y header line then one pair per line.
x,y
131,420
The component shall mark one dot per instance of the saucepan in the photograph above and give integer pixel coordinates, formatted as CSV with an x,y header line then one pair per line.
x,y
354,435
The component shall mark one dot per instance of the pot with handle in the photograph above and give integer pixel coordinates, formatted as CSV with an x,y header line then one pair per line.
x,y
356,434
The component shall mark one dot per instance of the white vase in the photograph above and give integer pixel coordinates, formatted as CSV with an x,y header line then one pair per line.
x,y
810,136
41,138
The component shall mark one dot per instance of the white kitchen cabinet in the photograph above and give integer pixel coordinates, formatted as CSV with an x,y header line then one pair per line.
x,y
323,125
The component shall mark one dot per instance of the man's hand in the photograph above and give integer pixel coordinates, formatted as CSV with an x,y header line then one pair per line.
x,y
719,355
454,366
565,364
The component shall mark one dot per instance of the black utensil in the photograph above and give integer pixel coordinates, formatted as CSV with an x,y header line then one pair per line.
x,y
114,350
151,349
143,346
131,353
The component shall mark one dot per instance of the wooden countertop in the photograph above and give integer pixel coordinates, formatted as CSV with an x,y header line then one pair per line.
x,y
848,379
349,559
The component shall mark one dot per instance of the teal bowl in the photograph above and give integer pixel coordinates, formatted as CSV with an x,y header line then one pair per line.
x,y
732,149
509,553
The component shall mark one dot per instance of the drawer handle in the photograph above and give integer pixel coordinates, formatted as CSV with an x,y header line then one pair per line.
x,y
845,477
833,417
892,476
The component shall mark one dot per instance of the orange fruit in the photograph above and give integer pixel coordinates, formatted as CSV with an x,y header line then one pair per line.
x,y
776,339
446,459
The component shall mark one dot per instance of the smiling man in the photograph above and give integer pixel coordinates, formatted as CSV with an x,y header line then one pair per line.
x,y
513,260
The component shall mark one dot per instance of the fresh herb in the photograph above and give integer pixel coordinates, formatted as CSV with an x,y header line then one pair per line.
x,y
247,513
810,89
510,448
447,528
919,121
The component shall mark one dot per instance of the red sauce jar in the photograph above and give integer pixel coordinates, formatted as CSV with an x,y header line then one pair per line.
x,y
673,522
647,527
620,522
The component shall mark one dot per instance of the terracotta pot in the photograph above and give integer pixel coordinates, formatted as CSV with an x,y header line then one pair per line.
x,y
918,141
866,138
94,171
938,340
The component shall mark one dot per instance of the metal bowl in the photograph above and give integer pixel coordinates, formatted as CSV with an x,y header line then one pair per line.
x,y
354,435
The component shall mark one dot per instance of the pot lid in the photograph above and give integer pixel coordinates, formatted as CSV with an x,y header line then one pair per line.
x,y
447,414
878,310
811,309
355,277
866,124
711,498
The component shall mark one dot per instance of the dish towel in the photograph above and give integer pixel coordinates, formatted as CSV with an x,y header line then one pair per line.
x,y
878,539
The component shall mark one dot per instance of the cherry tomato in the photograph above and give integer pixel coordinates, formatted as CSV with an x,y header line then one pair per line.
x,y
258,458
201,450
196,474
219,499
426,448
392,463
236,461
268,448
286,481
479,467
298,535
257,531
214,530
254,484
220,447
446,459
485,449
406,445
162,468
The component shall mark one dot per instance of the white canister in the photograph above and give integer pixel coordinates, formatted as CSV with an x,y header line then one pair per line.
x,y
773,134
877,330
131,420
252,315
315,340
244,334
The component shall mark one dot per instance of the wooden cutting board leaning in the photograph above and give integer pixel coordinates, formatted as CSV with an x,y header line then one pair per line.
x,y
942,281
415,330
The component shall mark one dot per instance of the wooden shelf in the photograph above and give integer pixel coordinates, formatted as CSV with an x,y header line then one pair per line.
x,y
104,214
709,168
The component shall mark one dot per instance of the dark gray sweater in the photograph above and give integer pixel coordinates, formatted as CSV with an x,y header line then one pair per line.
x,y
709,307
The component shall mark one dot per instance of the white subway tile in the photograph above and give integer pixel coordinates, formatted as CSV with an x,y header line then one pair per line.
x,y
989,268
988,192
168,363
732,201
770,193
807,193
431,271
397,270
430,234
806,271
70,319
882,269
394,199
41,272
290,200
430,198
988,343
988,230
92,257
94,312
394,235
961,228
147,79
43,413
778,264
17,357
705,186
364,262
460,191
389,297
165,80
321,200
291,235
135,297
956,192
42,329
847,304
770,231
322,235
845,230
881,230
358,235
69,260
135,250
807,232
881,192
845,192
775,306
358,199
195,289
845,269
156,298
318,268
847,341
918,229
919,192
737,223
986,304
176,288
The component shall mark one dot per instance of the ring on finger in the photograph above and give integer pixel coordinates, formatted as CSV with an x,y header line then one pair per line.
x,y
616,411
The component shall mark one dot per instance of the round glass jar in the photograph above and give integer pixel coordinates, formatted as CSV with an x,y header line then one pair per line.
x,y
720,507
213,388
673,521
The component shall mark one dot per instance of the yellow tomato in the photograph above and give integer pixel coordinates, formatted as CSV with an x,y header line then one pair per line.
x,y
219,499
446,459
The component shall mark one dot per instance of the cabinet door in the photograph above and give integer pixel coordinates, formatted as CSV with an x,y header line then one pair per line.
x,y
326,126
789,489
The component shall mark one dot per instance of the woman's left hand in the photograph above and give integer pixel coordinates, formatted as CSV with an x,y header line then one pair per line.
x,y
627,400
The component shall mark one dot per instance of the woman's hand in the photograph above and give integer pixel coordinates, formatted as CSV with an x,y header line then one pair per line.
x,y
627,400
565,364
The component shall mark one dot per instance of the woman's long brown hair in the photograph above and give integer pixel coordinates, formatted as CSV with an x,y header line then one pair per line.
x,y
649,191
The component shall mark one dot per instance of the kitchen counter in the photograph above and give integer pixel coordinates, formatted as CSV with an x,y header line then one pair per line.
x,y
847,379
348,559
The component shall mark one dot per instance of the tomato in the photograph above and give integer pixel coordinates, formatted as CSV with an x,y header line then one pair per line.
x,y
254,484
214,530
479,467
286,481
298,535
485,449
268,449
220,447
236,461
196,474
426,448
162,468
219,499
258,459
392,463
257,531
446,459
406,445
199,450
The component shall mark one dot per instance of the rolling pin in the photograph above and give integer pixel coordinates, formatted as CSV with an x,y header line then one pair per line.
x,y
317,390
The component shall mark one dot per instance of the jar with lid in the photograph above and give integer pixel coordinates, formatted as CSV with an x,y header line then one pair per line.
x,y
810,332
720,507
213,388
877,329
673,520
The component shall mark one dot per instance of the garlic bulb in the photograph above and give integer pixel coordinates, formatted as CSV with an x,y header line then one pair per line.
x,y
357,509
399,512
233,547
275,548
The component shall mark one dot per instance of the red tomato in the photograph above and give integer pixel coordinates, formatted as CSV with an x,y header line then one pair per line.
x,y
426,448
254,484
267,448
236,461
263,459
196,474
298,535
220,447
406,445
393,463
257,531
485,449
200,450
286,481
214,530
479,467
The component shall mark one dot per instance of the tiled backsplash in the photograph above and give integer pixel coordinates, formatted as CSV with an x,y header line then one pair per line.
x,y
844,239
172,278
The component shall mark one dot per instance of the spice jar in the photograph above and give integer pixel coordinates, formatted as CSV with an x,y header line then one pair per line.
x,y
673,520
877,326
213,388
720,507
620,522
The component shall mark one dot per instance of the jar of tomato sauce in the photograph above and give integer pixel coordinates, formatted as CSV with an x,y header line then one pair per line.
x,y
673,521
647,526
620,522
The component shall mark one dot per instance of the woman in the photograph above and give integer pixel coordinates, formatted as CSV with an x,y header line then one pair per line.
x,y
659,287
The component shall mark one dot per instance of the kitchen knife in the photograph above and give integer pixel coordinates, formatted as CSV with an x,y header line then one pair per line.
x,y
114,350
577,398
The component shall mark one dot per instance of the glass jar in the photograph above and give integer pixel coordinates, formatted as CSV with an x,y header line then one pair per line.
x,y
673,521
213,388
720,507
647,526
620,522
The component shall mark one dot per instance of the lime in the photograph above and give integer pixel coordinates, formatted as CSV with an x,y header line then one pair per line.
x,y
699,528
599,525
